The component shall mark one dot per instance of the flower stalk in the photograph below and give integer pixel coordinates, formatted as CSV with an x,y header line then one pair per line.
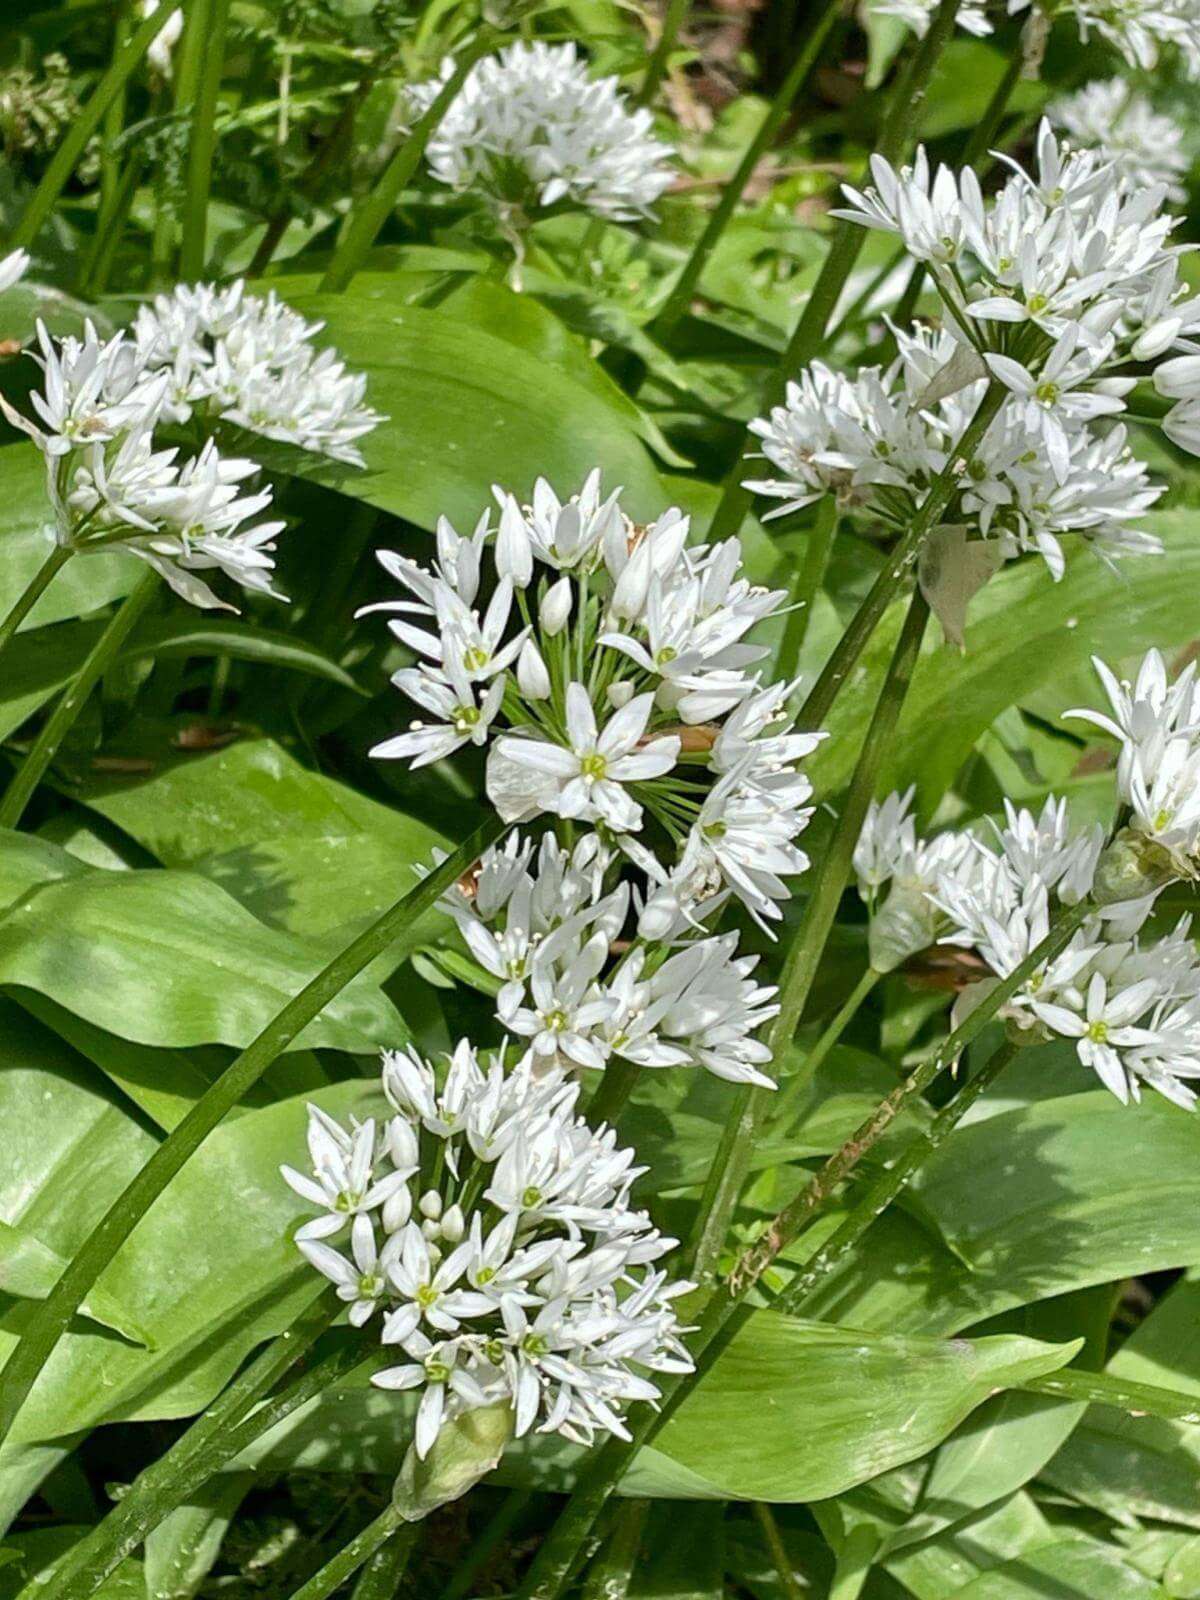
x,y
34,590
732,1162
73,699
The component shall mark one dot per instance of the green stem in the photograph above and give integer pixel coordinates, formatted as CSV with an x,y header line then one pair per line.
x,y
1139,1399
310,179
103,653
894,572
896,135
368,220
66,157
885,1189
612,1571
800,968
726,1311
785,1102
472,1562
773,1539
202,143
977,144
808,583
387,1525
114,119
35,589
211,1441
657,66
380,1578
110,225
49,1317
680,296
612,1093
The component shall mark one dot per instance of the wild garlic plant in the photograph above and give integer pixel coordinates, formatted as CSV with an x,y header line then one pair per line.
x,y
213,358
1052,292
1127,995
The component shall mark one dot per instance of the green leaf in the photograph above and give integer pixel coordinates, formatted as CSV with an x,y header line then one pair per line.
x,y
298,849
194,634
41,1550
467,410
1143,1466
861,1402
1073,1567
1024,1205
211,1268
168,958
1042,664
29,1270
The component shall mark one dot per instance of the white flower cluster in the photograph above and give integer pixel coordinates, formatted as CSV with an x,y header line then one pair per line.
x,y
877,442
1129,1002
1052,289
1137,29
613,656
491,1231
251,361
529,128
1144,146
548,926
104,403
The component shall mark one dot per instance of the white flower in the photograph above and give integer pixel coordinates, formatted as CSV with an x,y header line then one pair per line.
x,y
970,17
584,779
530,128
161,52
466,711
1055,398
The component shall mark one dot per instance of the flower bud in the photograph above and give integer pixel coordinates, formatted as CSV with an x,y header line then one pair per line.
x,y
532,677
514,553
555,609
620,694
454,1226
430,1205
397,1209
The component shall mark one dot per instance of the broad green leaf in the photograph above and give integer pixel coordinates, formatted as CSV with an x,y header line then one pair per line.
x,y
683,1554
1143,1466
467,410
1072,1567
298,849
168,958
29,1270
211,1269
85,584
38,664
197,634
963,81
1024,1205
954,699
27,861
861,1403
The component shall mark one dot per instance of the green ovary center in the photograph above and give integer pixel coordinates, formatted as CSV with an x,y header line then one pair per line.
x,y
427,1296
532,1197
593,766
1036,303
534,1345
1098,1032
465,717
475,659
437,1371
1047,393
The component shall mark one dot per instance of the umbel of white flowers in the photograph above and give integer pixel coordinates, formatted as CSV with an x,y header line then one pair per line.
x,y
530,129
1055,288
222,355
1130,1003
549,925
603,664
1137,29
487,1233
